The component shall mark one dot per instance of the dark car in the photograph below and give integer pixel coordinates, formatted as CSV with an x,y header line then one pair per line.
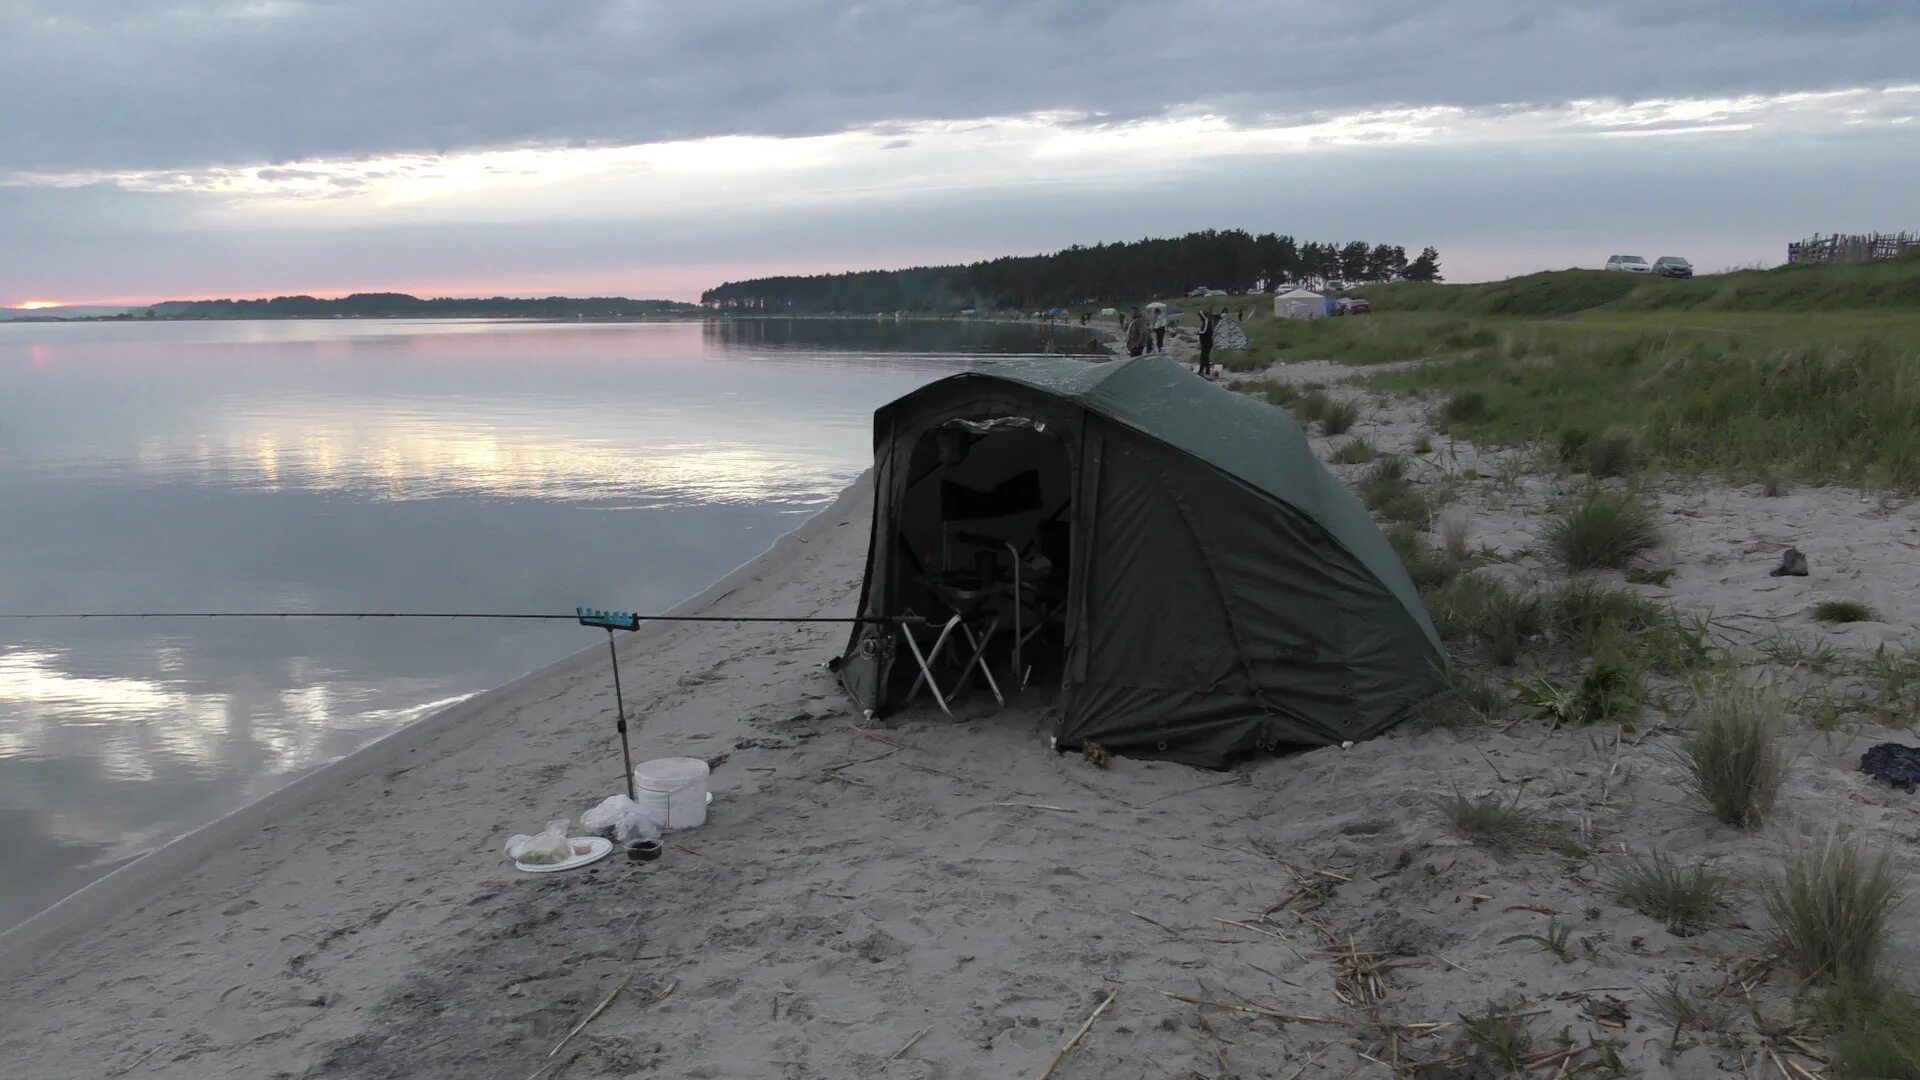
x,y
1672,266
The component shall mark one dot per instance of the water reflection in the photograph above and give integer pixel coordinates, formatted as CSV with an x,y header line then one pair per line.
x,y
366,466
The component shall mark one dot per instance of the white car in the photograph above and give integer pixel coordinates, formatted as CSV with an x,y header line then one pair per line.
x,y
1632,264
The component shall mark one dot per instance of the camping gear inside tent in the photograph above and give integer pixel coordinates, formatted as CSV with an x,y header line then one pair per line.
x,y
1170,555
1300,304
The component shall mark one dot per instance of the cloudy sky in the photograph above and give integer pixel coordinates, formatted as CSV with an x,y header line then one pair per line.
x,y
184,148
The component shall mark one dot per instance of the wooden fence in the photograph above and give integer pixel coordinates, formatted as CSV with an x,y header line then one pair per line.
x,y
1859,247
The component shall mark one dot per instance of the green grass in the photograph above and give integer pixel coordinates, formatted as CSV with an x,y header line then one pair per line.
x,y
1732,756
1588,614
1386,490
1354,452
1685,896
1830,909
1842,611
1310,406
1873,1031
1616,452
1492,614
1824,398
1548,293
1500,1037
1870,287
1681,1009
1424,565
1465,406
1611,690
1601,528
1339,416
1490,821
1282,394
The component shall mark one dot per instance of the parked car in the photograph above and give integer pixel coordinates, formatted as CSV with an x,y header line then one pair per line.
x,y
1357,305
1632,264
1672,266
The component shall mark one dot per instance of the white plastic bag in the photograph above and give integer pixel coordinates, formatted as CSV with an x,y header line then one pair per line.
x,y
550,847
625,819
635,824
604,816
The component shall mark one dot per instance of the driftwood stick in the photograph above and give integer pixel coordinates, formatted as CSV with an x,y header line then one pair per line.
x,y
1084,1028
1249,926
1254,1009
588,1019
1155,922
921,1034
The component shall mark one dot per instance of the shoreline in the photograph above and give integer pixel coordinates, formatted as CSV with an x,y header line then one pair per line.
x,y
110,893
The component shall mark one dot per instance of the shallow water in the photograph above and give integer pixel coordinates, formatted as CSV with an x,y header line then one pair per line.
x,y
373,466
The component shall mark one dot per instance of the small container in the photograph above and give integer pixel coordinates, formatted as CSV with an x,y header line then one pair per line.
x,y
643,850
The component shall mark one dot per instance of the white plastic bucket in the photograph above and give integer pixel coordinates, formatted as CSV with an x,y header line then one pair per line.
x,y
672,790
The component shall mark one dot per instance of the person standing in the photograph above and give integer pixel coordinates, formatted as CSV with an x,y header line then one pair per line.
x,y
1160,330
1207,323
1137,334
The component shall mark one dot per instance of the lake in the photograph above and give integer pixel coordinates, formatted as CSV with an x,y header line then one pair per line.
x,y
369,466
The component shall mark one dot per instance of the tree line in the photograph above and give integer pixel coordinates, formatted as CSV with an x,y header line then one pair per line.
x,y
1124,272
401,305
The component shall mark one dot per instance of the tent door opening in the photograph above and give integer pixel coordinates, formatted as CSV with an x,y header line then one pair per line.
x,y
985,533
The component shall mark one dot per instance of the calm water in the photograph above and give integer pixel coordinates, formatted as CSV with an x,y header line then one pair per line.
x,y
448,466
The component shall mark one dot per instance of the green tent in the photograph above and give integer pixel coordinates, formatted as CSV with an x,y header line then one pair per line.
x,y
1191,578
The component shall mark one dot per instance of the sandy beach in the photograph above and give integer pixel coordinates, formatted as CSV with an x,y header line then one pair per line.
x,y
936,898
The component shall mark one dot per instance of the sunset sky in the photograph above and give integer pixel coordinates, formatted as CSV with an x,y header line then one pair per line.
x,y
189,148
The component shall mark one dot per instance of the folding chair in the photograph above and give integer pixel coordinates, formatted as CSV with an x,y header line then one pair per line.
x,y
941,644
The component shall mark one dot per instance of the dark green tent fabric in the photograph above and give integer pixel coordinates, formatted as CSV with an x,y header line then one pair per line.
x,y
1228,594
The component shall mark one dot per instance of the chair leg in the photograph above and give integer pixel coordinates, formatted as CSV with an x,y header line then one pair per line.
x,y
926,671
979,660
1018,597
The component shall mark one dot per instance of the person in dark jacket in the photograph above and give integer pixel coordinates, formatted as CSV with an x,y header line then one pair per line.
x,y
1207,322
1137,332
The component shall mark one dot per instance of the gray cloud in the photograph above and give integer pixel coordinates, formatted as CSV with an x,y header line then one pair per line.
x,y
1492,211
101,84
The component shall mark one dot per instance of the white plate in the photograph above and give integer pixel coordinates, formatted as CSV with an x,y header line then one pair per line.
x,y
586,849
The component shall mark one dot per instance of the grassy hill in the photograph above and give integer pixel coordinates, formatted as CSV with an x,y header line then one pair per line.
x,y
1810,372
1862,286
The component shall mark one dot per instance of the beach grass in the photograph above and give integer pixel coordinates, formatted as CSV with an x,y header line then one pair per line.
x,y
1601,528
1490,821
1842,611
1831,907
1686,896
1731,757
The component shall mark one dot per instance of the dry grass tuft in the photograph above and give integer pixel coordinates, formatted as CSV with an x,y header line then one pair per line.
x,y
1490,821
1732,755
1843,611
1830,908
1339,416
1601,528
1687,897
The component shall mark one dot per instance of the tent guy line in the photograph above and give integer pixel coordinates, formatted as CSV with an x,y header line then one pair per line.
x,y
625,616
